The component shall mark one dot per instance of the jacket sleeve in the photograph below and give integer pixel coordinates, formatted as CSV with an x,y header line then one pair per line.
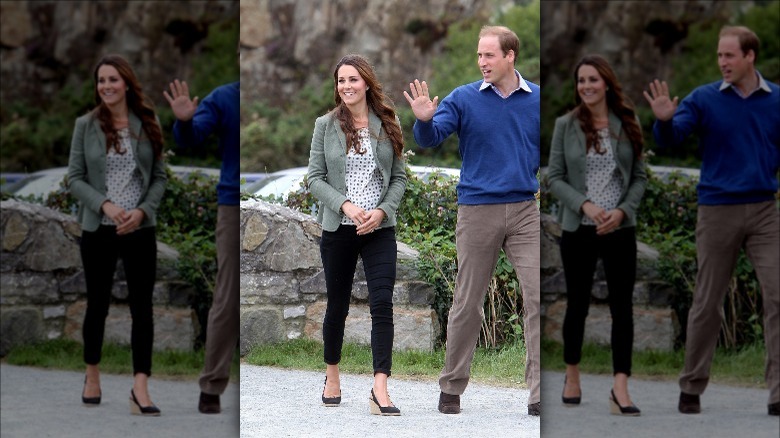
x,y
157,184
78,180
558,173
318,170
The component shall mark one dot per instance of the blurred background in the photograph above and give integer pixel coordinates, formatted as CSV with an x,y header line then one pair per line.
x,y
674,41
48,50
289,50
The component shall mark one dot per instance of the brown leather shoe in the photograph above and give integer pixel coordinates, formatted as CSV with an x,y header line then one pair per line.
x,y
209,404
689,403
535,409
774,408
449,404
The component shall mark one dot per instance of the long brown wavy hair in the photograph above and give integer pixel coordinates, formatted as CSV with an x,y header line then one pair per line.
x,y
136,103
377,101
617,102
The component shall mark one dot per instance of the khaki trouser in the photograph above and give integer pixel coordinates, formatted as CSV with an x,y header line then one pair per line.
x,y
481,232
721,231
223,325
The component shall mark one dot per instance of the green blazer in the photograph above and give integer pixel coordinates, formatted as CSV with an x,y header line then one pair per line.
x,y
566,172
87,171
328,164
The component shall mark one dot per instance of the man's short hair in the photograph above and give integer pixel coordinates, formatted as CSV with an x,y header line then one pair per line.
x,y
506,38
748,40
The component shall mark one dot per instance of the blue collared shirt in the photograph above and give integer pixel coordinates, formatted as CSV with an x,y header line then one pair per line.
x,y
520,86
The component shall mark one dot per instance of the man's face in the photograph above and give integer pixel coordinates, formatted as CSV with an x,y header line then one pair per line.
x,y
494,65
735,66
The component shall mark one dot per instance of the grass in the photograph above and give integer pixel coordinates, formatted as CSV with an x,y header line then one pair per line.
x,y
503,367
744,367
66,354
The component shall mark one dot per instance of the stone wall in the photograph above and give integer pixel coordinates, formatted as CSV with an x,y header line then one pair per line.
x,y
283,285
43,291
655,323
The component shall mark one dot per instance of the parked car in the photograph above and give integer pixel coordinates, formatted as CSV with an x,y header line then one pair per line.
x,y
43,182
280,184
250,178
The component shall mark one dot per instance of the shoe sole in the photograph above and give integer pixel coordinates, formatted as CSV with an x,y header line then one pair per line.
x,y
135,410
375,410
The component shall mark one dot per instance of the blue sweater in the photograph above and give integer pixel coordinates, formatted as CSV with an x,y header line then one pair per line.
x,y
739,141
217,113
499,142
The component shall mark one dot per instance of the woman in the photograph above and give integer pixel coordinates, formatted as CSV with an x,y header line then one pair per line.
x,y
357,173
597,173
116,171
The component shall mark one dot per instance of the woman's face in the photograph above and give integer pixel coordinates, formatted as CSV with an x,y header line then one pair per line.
x,y
350,85
110,86
590,85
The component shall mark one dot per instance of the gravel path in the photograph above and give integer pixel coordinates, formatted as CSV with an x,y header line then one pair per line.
x,y
726,411
38,403
283,403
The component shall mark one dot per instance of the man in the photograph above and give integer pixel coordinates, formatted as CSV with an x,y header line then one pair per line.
x,y
497,122
738,124
217,113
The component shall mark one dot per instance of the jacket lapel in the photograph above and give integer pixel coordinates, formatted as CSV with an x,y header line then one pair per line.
x,y
342,137
101,136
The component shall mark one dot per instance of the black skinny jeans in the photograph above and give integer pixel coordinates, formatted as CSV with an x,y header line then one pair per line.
x,y
340,250
99,253
579,253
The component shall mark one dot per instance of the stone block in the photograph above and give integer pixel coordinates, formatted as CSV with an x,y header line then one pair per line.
x,y
177,293
553,284
314,284
74,283
28,288
269,288
19,326
420,293
294,312
53,311
15,232
51,249
255,233
291,249
259,326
